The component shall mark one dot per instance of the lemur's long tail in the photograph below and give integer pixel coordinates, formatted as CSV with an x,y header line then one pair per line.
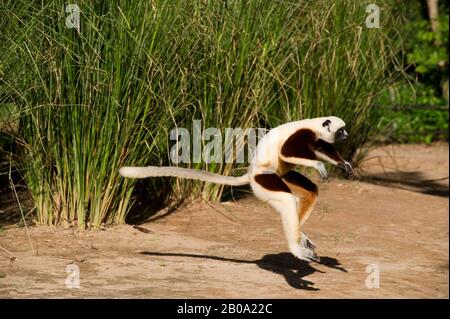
x,y
153,171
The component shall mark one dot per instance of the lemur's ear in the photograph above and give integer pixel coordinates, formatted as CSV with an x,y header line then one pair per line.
x,y
327,124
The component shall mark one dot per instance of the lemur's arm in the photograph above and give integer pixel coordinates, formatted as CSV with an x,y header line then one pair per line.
x,y
302,148
327,152
298,150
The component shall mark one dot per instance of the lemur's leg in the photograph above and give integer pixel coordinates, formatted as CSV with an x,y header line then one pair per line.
x,y
306,191
271,188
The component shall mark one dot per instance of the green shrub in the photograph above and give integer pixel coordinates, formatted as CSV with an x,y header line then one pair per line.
x,y
417,110
413,113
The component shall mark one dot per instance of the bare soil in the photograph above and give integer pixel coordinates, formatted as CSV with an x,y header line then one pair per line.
x,y
394,219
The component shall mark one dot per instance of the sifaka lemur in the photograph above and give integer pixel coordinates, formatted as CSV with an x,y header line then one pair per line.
x,y
271,175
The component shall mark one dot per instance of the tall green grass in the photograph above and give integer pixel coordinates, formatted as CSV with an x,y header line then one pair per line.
x,y
107,96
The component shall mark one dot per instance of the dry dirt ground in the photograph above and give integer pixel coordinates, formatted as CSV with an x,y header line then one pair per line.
x,y
393,222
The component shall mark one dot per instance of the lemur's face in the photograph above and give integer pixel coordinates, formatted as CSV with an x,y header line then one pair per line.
x,y
332,129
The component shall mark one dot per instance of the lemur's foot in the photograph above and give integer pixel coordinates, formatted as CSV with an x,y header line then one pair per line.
x,y
306,242
305,254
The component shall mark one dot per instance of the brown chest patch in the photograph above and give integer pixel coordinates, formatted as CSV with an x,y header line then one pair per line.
x,y
299,145
272,182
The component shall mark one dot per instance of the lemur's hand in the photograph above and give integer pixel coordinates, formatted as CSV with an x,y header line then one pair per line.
x,y
348,169
320,167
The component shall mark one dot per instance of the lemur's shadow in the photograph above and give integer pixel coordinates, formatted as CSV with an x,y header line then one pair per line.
x,y
292,269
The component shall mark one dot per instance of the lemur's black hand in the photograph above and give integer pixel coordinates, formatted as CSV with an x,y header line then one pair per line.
x,y
347,167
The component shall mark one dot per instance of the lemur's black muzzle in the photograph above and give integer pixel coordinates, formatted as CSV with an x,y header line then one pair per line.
x,y
341,135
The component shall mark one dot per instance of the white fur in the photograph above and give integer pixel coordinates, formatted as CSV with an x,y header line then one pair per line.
x,y
153,171
325,158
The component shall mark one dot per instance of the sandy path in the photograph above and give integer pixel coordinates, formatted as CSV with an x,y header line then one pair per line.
x,y
237,249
